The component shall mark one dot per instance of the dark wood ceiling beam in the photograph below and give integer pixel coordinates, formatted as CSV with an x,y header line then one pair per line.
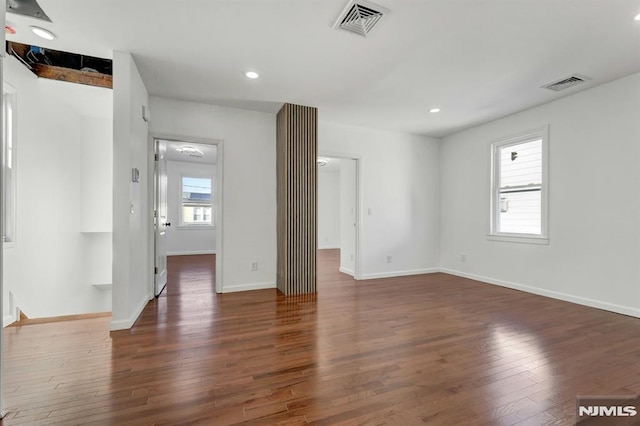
x,y
73,76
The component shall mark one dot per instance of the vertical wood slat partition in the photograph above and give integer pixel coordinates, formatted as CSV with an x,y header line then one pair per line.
x,y
297,152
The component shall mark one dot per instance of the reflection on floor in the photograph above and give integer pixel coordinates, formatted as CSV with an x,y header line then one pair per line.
x,y
433,349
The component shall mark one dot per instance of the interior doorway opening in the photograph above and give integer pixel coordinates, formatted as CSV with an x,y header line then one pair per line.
x,y
339,210
187,214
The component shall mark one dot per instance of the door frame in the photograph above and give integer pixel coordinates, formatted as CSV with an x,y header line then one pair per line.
x,y
357,269
158,146
219,195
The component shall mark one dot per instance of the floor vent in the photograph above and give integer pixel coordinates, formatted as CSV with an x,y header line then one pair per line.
x,y
565,83
360,17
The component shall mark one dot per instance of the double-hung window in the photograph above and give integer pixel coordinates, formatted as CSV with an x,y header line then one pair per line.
x,y
8,165
196,202
519,188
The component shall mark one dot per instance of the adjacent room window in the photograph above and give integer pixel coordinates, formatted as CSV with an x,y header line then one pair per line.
x,y
519,188
197,202
8,165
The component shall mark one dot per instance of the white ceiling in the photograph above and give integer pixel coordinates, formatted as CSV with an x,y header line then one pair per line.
x,y
476,59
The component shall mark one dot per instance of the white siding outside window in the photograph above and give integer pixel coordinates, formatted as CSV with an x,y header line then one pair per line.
x,y
518,204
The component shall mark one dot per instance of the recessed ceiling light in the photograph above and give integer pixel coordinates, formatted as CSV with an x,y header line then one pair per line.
x,y
637,18
41,32
252,74
434,110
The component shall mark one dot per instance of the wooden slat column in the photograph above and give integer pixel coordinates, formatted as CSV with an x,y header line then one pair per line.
x,y
297,152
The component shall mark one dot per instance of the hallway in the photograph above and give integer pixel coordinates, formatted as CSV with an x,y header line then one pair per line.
x,y
431,348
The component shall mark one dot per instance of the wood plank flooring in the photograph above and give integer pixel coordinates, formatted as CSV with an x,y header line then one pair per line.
x,y
433,349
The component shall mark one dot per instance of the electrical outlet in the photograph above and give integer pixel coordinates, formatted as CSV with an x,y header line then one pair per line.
x,y
389,259
463,257
254,266
351,257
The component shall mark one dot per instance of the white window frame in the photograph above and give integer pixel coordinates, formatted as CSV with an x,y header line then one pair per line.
x,y
9,95
181,224
541,133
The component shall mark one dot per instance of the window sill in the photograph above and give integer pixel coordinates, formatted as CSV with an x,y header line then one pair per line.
x,y
195,227
519,239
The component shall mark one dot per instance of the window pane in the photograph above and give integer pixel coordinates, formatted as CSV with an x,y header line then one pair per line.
x,y
196,201
196,189
523,212
8,168
521,164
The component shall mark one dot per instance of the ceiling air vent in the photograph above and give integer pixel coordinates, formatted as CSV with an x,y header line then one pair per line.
x,y
29,8
565,83
360,17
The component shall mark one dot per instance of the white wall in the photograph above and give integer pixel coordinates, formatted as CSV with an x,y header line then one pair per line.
x,y
132,227
249,185
594,214
348,213
400,186
328,209
187,240
47,269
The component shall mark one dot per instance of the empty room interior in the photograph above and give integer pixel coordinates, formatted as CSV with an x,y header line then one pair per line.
x,y
331,211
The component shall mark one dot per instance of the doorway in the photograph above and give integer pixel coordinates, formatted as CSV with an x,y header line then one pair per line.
x,y
187,214
339,211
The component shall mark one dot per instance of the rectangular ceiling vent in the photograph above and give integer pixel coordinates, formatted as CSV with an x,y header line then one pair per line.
x,y
29,8
565,83
360,17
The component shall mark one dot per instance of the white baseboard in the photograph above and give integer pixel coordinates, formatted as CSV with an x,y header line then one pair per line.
x,y
190,253
329,247
347,271
247,287
128,323
400,273
8,319
625,310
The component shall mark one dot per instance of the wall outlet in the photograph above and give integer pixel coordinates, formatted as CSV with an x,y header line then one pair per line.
x,y
463,257
254,266
389,259
351,257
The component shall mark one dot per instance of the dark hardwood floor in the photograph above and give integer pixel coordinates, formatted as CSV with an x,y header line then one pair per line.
x,y
433,349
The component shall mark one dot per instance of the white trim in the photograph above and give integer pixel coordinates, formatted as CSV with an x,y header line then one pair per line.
x,y
8,319
329,247
128,323
541,133
514,238
196,227
12,97
190,253
612,307
219,194
250,286
13,316
399,273
197,175
359,159
346,271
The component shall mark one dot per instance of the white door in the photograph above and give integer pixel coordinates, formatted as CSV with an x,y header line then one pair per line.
x,y
161,222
